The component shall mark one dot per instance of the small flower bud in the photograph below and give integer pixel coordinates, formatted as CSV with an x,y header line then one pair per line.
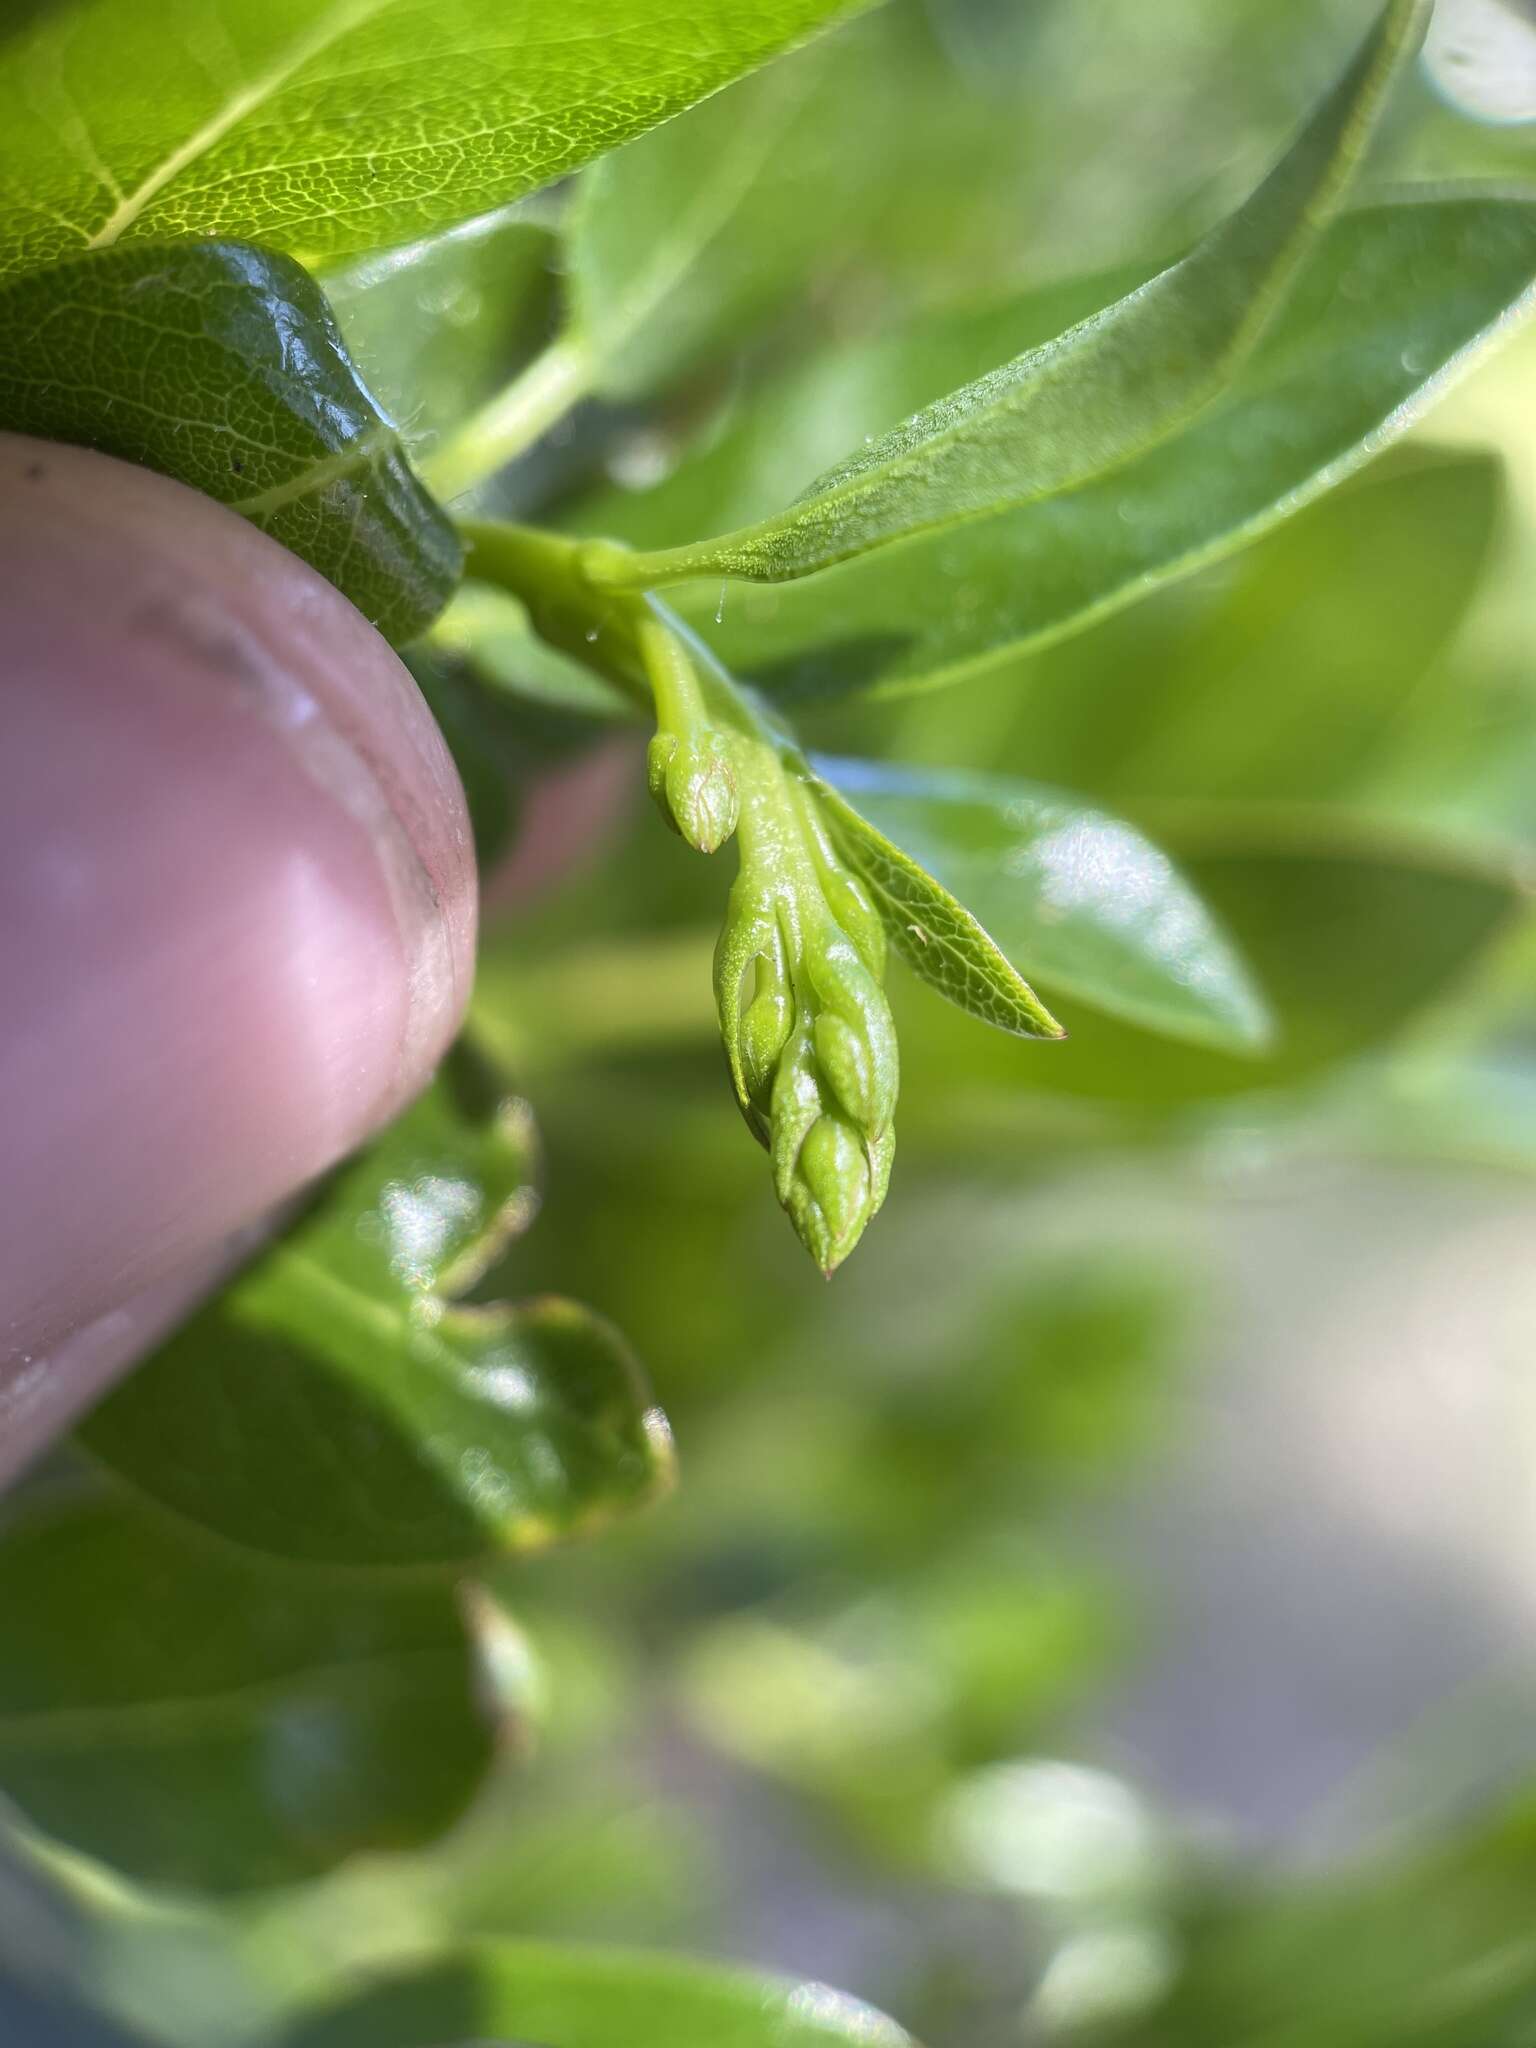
x,y
834,1172
765,1028
694,785
861,1062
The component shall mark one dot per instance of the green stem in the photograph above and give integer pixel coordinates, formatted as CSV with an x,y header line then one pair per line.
x,y
512,421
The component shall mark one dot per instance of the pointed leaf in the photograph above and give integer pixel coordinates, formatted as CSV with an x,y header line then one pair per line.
x,y
1081,901
1356,360
594,1998
196,1718
332,1405
940,940
222,366
329,127
1104,392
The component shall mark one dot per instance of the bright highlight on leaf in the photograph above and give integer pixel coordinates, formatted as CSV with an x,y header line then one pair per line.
x,y
1102,394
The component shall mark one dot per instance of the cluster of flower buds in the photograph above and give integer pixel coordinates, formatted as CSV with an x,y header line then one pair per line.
x,y
807,1029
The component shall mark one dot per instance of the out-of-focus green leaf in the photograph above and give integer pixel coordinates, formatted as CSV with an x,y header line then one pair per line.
x,y
222,366
490,633
593,1998
438,328
1304,669
1350,932
1432,1948
680,240
1352,363
326,127
1295,673
1080,900
335,1405
1103,393
194,1718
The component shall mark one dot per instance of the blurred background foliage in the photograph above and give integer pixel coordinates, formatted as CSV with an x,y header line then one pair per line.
x,y
1105,1611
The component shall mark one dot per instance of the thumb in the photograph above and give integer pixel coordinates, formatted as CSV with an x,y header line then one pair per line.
x,y
237,905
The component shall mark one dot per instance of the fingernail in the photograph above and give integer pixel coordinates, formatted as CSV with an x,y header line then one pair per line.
x,y
237,899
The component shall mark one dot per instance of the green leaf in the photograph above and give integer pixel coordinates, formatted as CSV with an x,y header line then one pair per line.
x,y
221,365
335,1405
1352,931
594,1998
439,328
329,127
779,433
195,1718
1104,392
1080,900
1355,361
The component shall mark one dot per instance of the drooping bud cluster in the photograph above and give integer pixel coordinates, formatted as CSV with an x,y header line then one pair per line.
x,y
809,1033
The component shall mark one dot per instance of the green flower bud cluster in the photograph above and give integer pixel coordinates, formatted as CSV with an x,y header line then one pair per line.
x,y
808,1031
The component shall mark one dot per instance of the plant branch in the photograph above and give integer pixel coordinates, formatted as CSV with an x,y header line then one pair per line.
x,y
509,424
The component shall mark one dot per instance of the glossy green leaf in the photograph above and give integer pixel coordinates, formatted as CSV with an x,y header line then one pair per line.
x,y
1351,931
594,1998
250,121
221,366
438,328
1104,392
336,1404
196,1718
1360,352
1080,901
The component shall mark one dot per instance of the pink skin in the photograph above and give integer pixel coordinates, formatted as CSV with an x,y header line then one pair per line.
x,y
237,906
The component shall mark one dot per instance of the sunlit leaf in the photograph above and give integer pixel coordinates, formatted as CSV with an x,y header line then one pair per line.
x,y
195,1718
126,124
1354,361
222,366
1099,396
594,1998
1360,352
1078,901
336,1404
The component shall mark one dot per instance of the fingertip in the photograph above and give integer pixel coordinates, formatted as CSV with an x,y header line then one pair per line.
x,y
236,883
